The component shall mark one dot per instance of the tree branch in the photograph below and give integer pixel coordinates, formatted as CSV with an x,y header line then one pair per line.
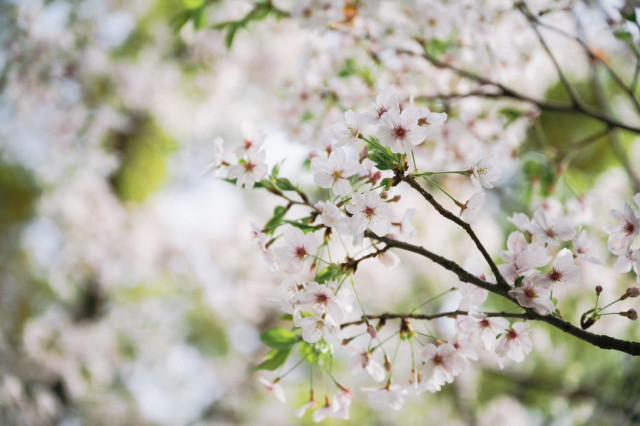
x,y
427,317
464,225
601,341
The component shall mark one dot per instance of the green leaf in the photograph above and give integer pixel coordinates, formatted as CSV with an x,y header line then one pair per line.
x,y
284,184
199,18
193,4
180,19
317,353
279,338
276,219
274,359
329,273
511,114
232,28
304,227
623,35
518,281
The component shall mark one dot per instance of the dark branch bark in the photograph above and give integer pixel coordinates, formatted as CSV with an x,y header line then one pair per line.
x,y
601,341
464,225
427,317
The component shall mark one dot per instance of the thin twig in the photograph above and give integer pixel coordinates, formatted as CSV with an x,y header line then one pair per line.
x,y
427,317
601,341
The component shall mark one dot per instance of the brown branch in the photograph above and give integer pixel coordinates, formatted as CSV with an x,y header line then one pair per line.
x,y
601,341
352,264
427,317
464,225
506,92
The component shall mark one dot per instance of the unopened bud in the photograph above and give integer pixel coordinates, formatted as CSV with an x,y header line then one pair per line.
x,y
632,314
364,153
372,331
376,177
347,340
395,199
632,292
381,324
387,364
384,195
598,289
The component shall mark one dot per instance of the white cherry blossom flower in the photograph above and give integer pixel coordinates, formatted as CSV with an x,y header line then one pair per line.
x,y
331,216
387,100
363,361
315,328
621,236
369,211
627,261
285,295
391,394
249,170
324,412
346,132
466,348
274,388
252,140
300,412
407,230
485,172
551,232
536,297
334,172
563,270
522,222
342,404
486,328
515,342
472,296
388,259
401,132
523,258
218,154
468,211
298,247
320,299
442,363
583,248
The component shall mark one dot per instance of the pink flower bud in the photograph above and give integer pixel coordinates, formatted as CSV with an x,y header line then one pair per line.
x,y
372,331
598,289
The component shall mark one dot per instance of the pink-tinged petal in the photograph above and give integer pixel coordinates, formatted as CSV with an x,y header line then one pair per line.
x,y
564,260
351,167
417,135
622,265
323,180
342,187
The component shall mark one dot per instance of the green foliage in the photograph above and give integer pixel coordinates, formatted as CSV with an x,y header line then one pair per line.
x,y
384,158
18,193
144,151
276,219
330,273
316,353
279,338
206,332
274,359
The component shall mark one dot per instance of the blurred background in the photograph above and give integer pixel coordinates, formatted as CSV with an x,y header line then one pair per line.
x,y
130,292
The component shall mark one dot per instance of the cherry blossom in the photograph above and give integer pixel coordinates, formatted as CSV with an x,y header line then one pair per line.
x,y
621,236
515,342
401,131
315,328
362,360
534,296
551,231
563,270
441,363
334,172
249,170
391,394
485,172
320,299
274,387
298,247
387,100
468,210
369,212
347,132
